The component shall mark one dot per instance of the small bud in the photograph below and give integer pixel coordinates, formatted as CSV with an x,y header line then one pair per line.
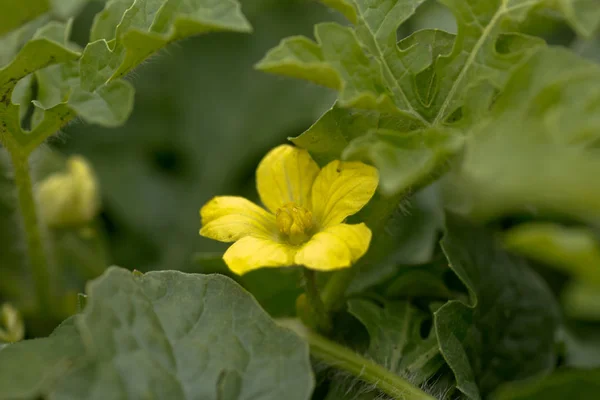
x,y
12,328
70,198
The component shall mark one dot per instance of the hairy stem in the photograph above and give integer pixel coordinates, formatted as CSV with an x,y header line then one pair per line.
x,y
315,302
33,235
342,358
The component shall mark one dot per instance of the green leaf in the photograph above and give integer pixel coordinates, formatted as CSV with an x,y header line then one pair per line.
x,y
583,15
424,280
576,384
67,8
147,26
536,152
345,7
407,91
395,330
404,234
406,161
11,43
573,250
32,367
167,335
124,34
506,331
424,78
395,338
407,157
418,84
36,54
88,86
16,14
109,105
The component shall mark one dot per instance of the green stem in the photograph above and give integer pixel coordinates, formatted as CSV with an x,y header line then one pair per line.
x,y
342,358
334,290
35,245
315,302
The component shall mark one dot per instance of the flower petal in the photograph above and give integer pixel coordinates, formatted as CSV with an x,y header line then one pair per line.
x,y
251,253
341,189
230,218
285,175
338,246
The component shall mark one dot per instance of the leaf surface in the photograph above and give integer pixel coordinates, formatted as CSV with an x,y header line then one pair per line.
x,y
537,150
506,331
125,33
395,338
396,99
16,14
32,367
404,234
168,334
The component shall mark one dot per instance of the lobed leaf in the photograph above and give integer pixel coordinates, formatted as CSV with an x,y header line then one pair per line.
x,y
506,331
396,343
418,84
423,77
395,338
36,54
165,334
124,34
422,83
128,31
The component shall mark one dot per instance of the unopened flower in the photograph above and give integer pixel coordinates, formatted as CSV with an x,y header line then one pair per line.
x,y
12,328
70,198
304,221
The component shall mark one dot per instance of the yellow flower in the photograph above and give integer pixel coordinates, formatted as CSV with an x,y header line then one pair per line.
x,y
304,224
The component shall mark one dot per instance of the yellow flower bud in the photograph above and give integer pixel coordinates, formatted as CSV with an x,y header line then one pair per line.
x,y
70,198
12,328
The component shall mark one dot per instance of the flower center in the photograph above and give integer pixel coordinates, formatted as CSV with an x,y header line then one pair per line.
x,y
295,222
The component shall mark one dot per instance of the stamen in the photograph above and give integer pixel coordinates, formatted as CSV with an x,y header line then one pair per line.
x,y
295,222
